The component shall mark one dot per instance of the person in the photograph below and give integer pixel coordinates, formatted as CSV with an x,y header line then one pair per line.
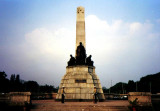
x,y
95,95
62,92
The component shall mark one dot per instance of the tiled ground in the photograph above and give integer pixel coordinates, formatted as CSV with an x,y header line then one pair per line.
x,y
51,105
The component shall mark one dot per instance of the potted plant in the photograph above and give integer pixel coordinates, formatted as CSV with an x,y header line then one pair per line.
x,y
134,103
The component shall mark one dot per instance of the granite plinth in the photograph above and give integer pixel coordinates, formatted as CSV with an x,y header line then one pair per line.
x,y
78,83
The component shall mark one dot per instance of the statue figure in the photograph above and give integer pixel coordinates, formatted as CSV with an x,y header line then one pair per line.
x,y
89,62
80,55
72,61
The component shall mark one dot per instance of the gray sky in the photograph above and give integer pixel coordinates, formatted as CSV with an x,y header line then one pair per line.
x,y
37,37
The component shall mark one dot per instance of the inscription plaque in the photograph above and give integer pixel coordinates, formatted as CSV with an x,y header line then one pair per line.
x,y
80,81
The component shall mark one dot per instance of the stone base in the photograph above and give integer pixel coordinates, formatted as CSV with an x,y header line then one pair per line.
x,y
78,83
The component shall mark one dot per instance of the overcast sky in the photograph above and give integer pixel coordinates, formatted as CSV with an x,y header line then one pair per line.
x,y
38,36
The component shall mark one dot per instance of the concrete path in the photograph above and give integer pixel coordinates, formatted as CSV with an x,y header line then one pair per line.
x,y
51,105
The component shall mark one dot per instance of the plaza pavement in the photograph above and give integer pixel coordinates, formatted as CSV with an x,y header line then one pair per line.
x,y
51,105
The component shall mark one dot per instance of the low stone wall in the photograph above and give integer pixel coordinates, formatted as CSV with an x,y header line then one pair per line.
x,y
20,98
16,98
144,98
108,96
50,95
40,96
4,98
54,95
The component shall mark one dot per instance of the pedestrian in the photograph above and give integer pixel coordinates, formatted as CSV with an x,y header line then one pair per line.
x,y
95,95
62,92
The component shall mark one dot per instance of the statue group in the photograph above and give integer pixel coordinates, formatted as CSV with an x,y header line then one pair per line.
x,y
81,58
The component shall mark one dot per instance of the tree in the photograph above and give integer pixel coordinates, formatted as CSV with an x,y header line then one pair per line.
x,y
15,83
17,80
150,83
47,89
31,86
3,75
119,88
12,78
131,86
105,90
4,82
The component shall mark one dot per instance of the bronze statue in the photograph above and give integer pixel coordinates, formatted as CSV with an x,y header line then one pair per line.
x,y
80,55
72,61
89,62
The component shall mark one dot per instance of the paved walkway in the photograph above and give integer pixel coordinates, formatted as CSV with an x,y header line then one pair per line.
x,y
51,105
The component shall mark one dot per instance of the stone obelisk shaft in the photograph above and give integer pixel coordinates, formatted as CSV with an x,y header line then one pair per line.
x,y
80,27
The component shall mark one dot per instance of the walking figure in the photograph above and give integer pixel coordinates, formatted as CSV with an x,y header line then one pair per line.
x,y
95,95
62,92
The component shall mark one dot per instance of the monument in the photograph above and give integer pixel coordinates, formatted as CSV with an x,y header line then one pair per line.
x,y
80,83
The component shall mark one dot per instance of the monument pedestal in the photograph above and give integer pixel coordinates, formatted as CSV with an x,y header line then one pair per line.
x,y
79,83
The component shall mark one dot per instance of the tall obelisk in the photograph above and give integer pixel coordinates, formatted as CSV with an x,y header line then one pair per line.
x,y
80,83
80,27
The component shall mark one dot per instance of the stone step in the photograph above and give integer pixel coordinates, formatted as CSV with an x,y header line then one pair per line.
x,y
80,108
50,105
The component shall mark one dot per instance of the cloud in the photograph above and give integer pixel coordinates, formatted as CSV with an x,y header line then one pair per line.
x,y
123,50
49,50
47,42
41,55
120,50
